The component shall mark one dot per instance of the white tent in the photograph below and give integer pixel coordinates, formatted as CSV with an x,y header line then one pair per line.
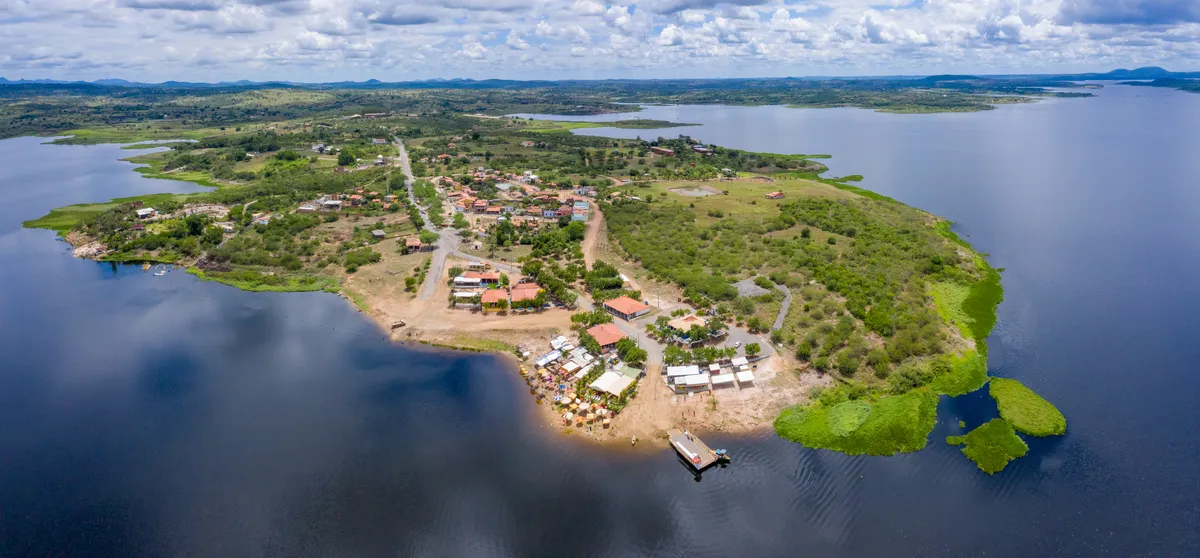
x,y
714,368
676,371
571,366
693,382
613,383
582,372
739,361
722,380
548,358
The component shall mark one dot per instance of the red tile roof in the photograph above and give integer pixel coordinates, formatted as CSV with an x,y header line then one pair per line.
x,y
493,296
626,305
606,334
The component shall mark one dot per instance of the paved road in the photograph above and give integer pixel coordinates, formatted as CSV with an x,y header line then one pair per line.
x,y
783,310
448,238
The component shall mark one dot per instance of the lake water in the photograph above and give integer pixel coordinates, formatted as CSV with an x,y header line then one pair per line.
x,y
151,416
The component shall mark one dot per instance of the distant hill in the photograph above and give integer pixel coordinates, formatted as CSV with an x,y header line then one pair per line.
x,y
1145,73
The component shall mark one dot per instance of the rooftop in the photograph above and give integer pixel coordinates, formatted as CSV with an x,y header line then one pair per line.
x,y
493,296
685,323
606,334
626,305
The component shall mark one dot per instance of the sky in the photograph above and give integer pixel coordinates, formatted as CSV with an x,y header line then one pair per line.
x,y
397,40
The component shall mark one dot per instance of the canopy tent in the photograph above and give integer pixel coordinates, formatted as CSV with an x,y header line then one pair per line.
x,y
612,383
583,372
548,358
676,371
571,366
693,381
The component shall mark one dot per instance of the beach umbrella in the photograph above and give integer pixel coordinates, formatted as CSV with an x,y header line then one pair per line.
x,y
584,406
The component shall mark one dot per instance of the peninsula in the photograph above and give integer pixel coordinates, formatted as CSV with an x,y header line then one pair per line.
x,y
642,284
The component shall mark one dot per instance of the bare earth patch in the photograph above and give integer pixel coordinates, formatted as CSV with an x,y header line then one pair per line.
x,y
696,191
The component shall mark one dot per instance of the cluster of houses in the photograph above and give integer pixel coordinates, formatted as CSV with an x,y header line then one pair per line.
x,y
480,288
572,364
521,200
336,202
697,378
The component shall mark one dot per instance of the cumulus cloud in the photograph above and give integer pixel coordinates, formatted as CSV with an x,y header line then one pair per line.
x,y
401,39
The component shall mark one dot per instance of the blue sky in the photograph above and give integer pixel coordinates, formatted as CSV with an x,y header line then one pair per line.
x,y
327,40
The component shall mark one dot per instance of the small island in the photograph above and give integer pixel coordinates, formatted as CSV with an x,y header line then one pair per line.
x,y
641,285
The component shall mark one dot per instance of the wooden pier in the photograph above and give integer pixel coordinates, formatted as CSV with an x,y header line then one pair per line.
x,y
694,452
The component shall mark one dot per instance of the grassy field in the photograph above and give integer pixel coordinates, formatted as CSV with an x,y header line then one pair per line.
x,y
254,281
134,133
64,218
991,446
1028,412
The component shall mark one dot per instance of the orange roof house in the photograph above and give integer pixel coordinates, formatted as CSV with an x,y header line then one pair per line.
x,y
775,196
606,335
626,308
493,296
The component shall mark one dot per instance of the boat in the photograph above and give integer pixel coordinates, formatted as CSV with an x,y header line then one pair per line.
x,y
145,266
694,452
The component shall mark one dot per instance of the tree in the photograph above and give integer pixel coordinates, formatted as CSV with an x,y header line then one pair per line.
x,y
428,237
460,222
504,279
346,158
589,343
212,236
752,349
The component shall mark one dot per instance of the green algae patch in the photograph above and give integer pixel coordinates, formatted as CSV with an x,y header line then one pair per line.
x,y
967,373
893,424
991,446
847,416
1028,412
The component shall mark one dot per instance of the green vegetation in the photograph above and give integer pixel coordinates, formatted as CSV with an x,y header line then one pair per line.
x,y
991,446
253,281
1027,411
895,424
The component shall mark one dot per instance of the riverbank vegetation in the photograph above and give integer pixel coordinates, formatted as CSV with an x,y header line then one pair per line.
x,y
991,446
1027,411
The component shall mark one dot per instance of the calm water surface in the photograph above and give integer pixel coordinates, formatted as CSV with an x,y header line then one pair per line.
x,y
152,416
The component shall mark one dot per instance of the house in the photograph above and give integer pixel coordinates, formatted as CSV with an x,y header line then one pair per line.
x,y
485,277
378,141
262,219
341,169
332,204
527,144
146,213
379,160
306,208
477,266
580,204
549,213
564,211
666,152
525,292
374,114
318,148
357,200
606,335
463,282
378,234
626,308
579,215
775,195
226,227
480,206
138,227
494,297
494,210
702,150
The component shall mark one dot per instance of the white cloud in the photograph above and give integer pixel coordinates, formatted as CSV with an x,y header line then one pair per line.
x,y
316,40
